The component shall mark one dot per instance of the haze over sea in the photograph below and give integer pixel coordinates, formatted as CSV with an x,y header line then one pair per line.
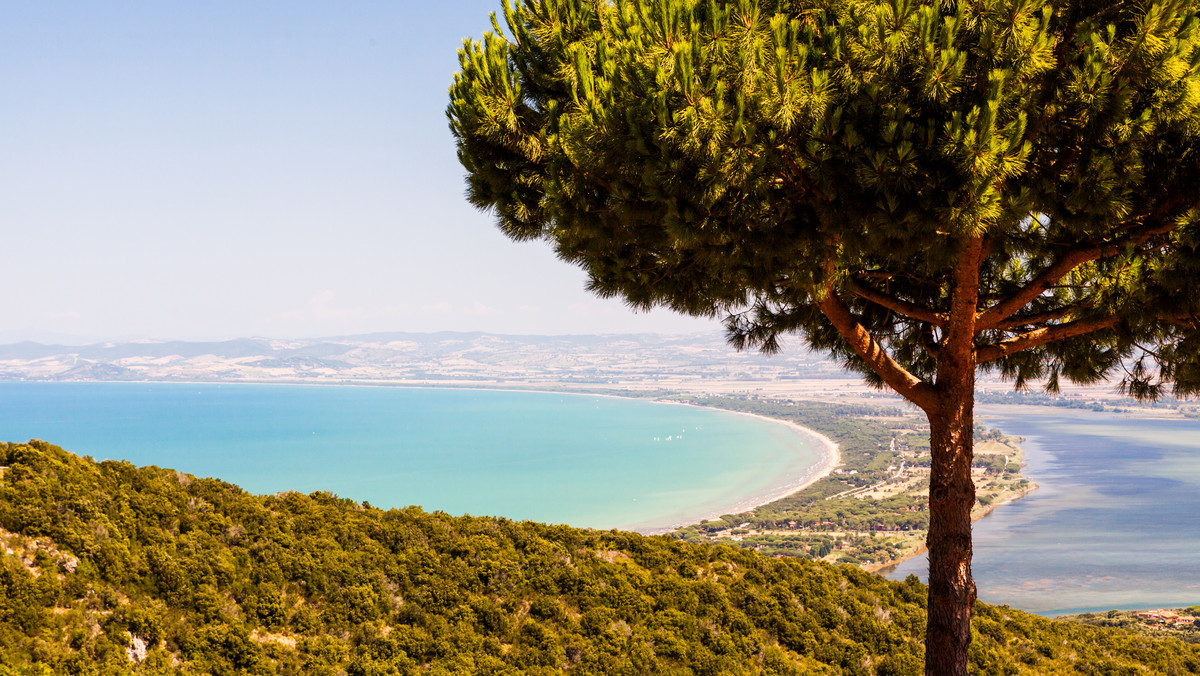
x,y
583,460
1115,522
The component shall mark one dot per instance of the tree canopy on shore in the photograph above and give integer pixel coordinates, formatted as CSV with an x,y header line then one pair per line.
x,y
924,190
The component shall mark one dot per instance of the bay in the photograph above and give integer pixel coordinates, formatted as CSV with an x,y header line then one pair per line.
x,y
1114,524
587,461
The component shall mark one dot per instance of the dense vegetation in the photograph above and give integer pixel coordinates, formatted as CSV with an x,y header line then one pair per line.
x,y
794,525
100,559
864,439
1148,622
921,190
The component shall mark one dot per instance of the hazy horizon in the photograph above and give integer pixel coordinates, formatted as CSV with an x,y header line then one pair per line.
x,y
12,336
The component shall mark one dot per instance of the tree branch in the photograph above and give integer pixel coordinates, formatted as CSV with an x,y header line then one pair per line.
x,y
902,307
1037,318
1044,335
928,342
869,350
1071,259
802,177
875,274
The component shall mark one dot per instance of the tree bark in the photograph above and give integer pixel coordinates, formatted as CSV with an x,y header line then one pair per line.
x,y
951,497
951,491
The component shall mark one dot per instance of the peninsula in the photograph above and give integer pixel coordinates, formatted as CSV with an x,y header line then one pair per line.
x,y
872,509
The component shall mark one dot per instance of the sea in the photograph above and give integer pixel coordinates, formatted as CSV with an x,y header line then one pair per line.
x,y
587,461
1114,523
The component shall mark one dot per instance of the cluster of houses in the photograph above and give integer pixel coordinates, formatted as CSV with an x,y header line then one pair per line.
x,y
1169,618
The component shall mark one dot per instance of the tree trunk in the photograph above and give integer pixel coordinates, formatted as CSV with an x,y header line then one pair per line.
x,y
951,497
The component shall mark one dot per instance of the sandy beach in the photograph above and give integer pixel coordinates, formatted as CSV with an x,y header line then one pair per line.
x,y
827,450
829,458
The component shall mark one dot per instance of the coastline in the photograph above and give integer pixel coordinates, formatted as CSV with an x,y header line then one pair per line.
x,y
843,455
829,458
827,450
878,569
828,453
1058,552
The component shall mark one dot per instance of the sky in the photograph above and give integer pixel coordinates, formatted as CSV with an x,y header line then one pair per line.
x,y
209,170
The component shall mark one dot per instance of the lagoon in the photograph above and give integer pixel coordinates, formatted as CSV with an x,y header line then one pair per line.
x,y
1114,524
588,461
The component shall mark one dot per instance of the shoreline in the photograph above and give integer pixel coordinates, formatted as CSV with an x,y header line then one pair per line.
x,y
829,457
829,454
974,519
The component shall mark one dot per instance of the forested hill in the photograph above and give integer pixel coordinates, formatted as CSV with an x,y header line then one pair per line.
x,y
112,569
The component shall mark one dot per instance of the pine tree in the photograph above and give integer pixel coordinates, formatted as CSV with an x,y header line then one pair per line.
x,y
925,190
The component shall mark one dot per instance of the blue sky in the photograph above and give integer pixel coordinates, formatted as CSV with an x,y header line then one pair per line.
x,y
207,170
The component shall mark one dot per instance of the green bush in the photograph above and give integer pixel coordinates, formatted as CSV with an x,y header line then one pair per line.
x,y
230,583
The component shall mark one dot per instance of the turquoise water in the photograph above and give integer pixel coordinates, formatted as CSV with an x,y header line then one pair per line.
x,y
1115,522
586,461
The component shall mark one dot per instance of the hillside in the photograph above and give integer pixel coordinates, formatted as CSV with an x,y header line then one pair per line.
x,y
446,357
637,364
111,569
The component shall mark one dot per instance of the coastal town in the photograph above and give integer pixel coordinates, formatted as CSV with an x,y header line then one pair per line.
x,y
1167,618
1180,623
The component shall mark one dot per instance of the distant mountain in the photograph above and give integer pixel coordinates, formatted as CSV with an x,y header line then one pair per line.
x,y
425,357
